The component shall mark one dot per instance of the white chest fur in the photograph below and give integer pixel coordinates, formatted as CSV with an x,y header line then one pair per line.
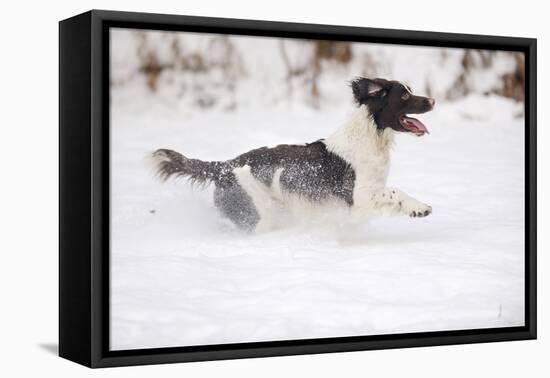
x,y
366,149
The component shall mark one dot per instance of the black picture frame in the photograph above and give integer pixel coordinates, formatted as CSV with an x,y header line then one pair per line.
x,y
84,188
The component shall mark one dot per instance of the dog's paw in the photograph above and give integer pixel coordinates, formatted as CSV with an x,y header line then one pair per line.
x,y
421,211
417,209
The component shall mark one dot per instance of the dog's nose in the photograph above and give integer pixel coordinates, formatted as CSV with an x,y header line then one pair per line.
x,y
431,101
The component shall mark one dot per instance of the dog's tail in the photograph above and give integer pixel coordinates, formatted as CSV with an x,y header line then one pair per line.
x,y
171,163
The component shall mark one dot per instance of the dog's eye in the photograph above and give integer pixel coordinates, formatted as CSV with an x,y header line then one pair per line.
x,y
405,96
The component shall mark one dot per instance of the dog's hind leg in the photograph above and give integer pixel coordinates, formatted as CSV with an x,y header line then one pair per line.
x,y
236,204
266,199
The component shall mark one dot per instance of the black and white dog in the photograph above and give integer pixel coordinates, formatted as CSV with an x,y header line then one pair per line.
x,y
259,189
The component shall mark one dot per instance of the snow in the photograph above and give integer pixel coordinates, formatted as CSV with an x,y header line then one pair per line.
x,y
182,275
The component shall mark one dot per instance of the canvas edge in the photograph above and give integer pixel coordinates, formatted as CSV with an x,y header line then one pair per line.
x,y
75,273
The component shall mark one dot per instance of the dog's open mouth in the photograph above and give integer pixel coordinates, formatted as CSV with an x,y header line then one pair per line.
x,y
413,125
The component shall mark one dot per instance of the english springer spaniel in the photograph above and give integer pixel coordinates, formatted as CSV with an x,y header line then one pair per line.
x,y
260,189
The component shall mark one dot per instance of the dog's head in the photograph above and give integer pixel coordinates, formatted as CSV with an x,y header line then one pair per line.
x,y
390,102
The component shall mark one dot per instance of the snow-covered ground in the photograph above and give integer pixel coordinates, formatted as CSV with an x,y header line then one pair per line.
x,y
182,275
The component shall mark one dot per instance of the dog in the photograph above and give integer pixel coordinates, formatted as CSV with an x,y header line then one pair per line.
x,y
346,171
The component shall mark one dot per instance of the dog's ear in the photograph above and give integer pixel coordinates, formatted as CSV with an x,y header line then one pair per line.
x,y
364,88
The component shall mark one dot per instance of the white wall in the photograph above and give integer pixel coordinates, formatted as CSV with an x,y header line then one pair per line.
x,y
28,140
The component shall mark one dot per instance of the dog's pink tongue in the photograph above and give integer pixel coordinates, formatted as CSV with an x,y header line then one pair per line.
x,y
416,124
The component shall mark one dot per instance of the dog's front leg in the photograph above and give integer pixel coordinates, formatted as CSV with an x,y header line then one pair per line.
x,y
390,201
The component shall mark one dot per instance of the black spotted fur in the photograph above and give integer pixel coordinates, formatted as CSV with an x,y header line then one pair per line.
x,y
309,170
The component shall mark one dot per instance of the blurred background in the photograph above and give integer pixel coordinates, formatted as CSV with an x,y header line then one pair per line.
x,y
228,72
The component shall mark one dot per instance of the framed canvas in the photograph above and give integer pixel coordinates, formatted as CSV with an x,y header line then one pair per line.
x,y
236,188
